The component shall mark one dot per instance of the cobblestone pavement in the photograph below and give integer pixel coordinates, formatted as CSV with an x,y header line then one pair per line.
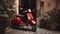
x,y
39,31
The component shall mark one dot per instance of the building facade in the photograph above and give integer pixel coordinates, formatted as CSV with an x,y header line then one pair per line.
x,y
41,5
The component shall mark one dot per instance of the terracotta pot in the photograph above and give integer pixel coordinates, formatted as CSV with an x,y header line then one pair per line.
x,y
53,27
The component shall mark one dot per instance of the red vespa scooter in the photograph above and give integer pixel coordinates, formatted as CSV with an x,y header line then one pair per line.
x,y
18,21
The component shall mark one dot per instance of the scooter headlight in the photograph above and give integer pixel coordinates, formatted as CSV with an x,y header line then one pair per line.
x,y
33,22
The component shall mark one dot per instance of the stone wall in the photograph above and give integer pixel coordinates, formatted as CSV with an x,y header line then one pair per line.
x,y
49,5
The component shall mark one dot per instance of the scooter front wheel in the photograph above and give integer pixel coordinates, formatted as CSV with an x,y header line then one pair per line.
x,y
34,28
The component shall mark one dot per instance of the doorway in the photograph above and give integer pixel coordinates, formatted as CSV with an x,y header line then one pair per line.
x,y
25,5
